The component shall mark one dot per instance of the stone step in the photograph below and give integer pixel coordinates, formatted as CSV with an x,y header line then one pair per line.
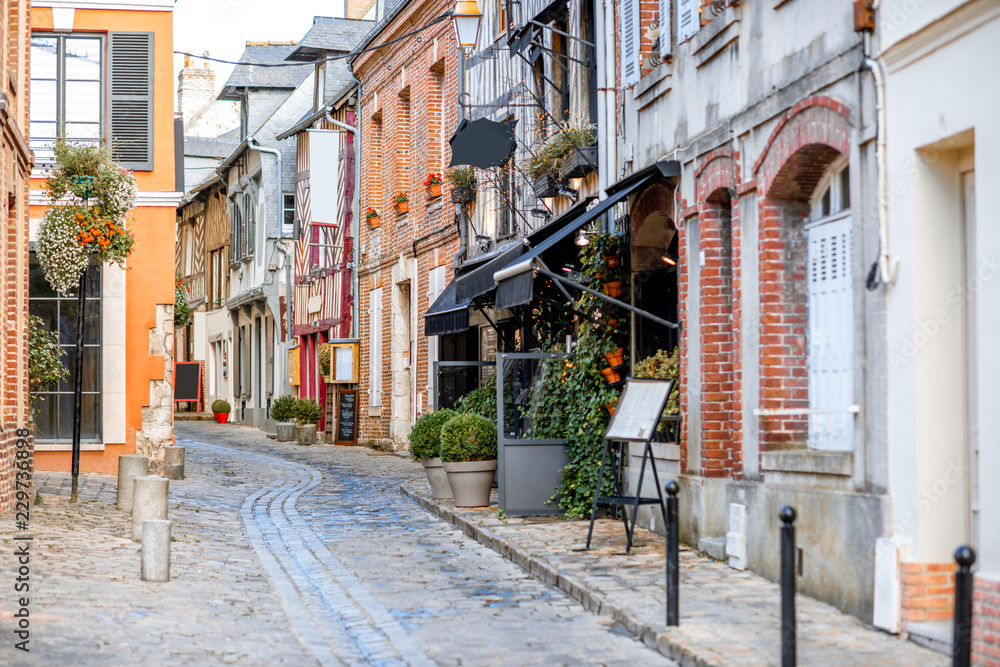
x,y
935,635
193,417
713,546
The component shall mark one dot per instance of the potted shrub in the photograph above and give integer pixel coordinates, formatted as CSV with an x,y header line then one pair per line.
x,y
463,184
425,446
324,361
402,203
283,412
469,454
580,157
433,185
665,365
307,416
371,215
221,410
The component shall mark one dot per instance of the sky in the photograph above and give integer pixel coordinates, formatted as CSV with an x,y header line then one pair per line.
x,y
223,27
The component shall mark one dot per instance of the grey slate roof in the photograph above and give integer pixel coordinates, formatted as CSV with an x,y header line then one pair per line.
x,y
312,116
209,146
330,34
248,76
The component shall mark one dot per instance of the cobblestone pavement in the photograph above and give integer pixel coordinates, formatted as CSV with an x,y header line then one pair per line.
x,y
727,617
287,555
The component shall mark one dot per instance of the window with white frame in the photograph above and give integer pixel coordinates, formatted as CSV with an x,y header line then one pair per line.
x,y
288,214
830,312
375,351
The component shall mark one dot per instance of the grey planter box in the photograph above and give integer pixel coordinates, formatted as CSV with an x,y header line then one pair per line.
x,y
579,162
545,186
463,194
529,472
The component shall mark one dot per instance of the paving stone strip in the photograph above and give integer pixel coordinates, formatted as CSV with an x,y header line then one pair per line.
x,y
727,617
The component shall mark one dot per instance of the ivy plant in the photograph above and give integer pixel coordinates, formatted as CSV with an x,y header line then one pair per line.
x,y
45,364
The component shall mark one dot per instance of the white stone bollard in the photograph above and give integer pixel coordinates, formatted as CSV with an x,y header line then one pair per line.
x,y
149,501
130,466
173,463
156,550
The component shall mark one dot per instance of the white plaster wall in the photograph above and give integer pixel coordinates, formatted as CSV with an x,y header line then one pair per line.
x,y
930,140
113,371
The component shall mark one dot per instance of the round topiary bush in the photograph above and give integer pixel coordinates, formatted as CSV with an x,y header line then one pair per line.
x,y
307,411
220,405
283,408
425,437
468,437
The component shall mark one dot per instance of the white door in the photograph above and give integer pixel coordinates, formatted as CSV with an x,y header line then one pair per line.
x,y
831,336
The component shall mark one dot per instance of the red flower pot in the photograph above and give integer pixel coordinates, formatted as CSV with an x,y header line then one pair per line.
x,y
222,417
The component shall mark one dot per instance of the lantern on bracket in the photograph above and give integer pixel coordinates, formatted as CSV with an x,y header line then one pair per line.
x,y
466,18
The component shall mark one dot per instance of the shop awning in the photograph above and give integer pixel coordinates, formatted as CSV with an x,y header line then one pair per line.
x,y
515,283
480,281
447,315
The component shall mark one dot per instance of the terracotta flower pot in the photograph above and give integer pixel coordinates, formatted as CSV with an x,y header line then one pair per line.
x,y
613,261
613,289
433,190
615,358
375,222
221,417
610,407
437,478
402,207
611,375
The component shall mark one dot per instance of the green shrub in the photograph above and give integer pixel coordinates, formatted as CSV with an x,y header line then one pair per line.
x,y
307,411
324,359
425,437
468,437
664,365
482,400
283,408
220,405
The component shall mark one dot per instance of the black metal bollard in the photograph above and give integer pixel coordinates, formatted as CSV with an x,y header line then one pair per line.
x,y
673,556
787,515
961,656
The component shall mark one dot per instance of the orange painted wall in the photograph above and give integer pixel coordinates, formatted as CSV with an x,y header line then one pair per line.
x,y
150,276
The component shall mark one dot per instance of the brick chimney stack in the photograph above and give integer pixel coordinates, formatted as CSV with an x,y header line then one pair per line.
x,y
195,88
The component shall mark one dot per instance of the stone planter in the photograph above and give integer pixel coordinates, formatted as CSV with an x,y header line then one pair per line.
x,y
579,162
305,434
286,431
471,481
438,478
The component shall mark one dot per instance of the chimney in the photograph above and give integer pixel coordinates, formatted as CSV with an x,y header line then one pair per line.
x,y
195,88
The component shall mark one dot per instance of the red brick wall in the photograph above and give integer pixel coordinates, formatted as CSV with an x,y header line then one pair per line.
x,y
986,622
407,114
928,592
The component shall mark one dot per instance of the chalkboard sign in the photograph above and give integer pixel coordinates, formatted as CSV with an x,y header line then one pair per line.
x,y
347,417
187,381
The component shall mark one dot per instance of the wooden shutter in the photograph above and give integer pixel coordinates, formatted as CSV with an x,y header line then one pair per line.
x,y
688,19
130,98
664,29
630,42
375,352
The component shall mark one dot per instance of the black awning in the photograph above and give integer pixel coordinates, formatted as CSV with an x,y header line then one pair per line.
x,y
480,281
447,315
666,168
516,288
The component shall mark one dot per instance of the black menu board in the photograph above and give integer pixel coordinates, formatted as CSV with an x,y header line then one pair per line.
x,y
347,417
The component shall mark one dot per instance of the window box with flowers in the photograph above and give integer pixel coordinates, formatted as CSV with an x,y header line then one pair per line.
x,y
433,185
371,215
463,184
580,144
402,203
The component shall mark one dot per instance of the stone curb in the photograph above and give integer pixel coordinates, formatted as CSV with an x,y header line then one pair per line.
x,y
656,637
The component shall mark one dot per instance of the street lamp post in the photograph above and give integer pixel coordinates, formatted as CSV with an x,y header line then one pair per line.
x,y
466,19
81,300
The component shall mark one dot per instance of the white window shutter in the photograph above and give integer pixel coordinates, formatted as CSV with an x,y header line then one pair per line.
x,y
375,354
664,29
629,36
688,19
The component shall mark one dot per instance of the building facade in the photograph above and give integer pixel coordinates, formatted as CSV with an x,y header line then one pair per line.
x,y
405,256
123,94
940,255
16,158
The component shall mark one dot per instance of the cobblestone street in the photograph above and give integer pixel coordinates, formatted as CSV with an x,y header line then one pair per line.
x,y
287,555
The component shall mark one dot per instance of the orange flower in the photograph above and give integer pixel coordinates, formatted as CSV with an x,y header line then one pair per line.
x,y
79,216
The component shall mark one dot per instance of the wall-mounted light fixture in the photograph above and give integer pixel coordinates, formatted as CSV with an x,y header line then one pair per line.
x,y
582,239
466,18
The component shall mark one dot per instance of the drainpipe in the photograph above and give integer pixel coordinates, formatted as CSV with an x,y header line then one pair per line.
x,y
887,267
355,226
280,246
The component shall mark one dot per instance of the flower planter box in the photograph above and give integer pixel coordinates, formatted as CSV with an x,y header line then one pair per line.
x,y
375,222
402,207
545,186
463,194
434,191
579,162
